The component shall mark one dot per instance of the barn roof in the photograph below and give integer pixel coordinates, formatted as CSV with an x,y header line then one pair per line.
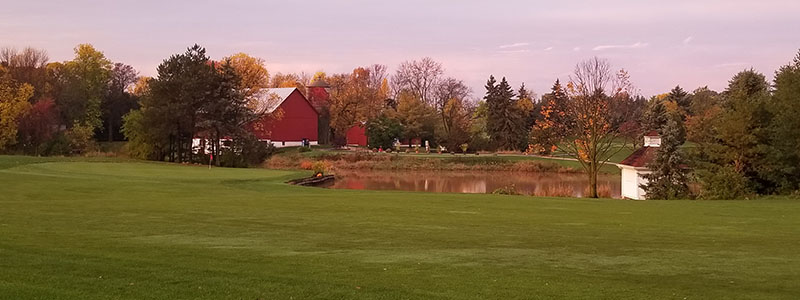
x,y
275,97
641,157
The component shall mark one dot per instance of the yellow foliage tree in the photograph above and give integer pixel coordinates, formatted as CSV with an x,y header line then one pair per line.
x,y
13,105
254,80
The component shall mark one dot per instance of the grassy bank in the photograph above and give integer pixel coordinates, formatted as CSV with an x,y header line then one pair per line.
x,y
352,160
130,230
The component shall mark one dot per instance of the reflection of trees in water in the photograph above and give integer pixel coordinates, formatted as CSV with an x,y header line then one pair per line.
x,y
556,184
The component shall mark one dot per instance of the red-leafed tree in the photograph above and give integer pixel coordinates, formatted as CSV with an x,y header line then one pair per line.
x,y
38,126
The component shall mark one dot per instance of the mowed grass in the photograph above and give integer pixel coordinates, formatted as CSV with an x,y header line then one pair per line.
x,y
134,230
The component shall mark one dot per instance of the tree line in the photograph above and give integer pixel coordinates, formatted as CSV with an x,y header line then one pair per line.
x,y
735,143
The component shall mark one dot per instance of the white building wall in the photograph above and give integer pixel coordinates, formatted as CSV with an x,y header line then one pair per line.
x,y
281,144
631,181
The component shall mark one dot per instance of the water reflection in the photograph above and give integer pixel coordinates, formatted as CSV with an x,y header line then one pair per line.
x,y
541,184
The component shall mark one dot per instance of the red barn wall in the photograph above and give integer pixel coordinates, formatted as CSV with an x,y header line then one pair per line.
x,y
298,121
357,135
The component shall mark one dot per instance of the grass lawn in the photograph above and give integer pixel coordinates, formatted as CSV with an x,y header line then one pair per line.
x,y
72,229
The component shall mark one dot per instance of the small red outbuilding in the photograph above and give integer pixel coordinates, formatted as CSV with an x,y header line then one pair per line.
x,y
357,136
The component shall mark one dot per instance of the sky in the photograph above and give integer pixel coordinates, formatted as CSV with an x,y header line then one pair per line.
x,y
660,43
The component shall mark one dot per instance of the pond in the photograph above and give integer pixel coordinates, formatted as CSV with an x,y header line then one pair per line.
x,y
477,182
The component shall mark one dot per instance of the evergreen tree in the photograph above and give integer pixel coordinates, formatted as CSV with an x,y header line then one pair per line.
x,y
383,131
785,154
668,179
492,108
655,115
732,159
681,98
504,122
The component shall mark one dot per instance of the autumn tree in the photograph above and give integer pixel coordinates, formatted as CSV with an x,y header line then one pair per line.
x,y
551,125
417,118
85,84
589,137
27,66
418,77
38,127
13,105
118,100
458,116
704,108
289,80
450,98
253,80
80,87
354,98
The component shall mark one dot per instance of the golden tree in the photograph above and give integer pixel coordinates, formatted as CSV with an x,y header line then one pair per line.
x,y
588,136
13,105
356,97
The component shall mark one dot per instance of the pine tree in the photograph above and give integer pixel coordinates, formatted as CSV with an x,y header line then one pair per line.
x,y
504,118
529,113
668,179
655,115
681,99
492,107
734,154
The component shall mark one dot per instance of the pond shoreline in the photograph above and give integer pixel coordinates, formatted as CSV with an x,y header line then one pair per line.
x,y
426,162
548,184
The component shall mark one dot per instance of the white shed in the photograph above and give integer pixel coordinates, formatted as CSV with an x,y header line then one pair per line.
x,y
634,167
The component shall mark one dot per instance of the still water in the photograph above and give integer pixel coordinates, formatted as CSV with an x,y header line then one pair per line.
x,y
540,184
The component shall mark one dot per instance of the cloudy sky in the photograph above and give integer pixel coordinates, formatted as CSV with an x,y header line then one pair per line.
x,y
661,43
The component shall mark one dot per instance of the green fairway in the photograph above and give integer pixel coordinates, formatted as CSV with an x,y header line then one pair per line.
x,y
105,229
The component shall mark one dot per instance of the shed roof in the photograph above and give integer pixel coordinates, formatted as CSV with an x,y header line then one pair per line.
x,y
641,157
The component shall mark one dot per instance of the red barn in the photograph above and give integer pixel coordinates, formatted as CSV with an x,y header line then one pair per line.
x,y
291,119
357,136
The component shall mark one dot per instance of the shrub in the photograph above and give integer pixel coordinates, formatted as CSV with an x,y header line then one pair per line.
x,y
306,165
80,138
723,183
245,151
603,191
320,167
555,191
58,145
510,189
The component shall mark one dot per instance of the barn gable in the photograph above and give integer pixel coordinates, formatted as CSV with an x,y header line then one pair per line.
x,y
291,118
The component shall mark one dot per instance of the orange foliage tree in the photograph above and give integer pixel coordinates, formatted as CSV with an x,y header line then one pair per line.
x,y
588,136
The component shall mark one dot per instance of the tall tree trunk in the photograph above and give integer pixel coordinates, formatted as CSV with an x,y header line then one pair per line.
x,y
592,181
